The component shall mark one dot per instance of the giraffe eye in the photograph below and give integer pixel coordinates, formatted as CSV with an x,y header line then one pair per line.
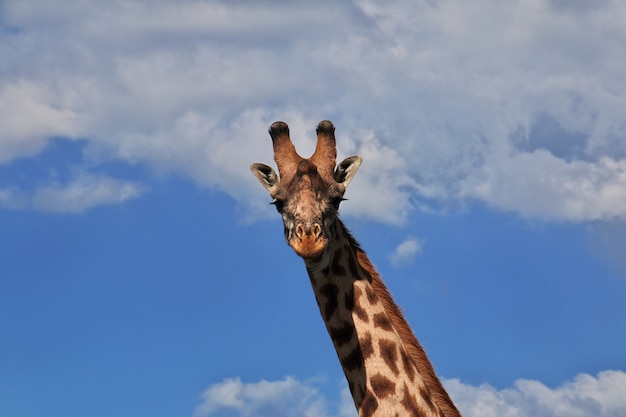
x,y
336,201
279,204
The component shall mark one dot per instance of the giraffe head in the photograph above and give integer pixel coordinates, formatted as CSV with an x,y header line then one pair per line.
x,y
307,192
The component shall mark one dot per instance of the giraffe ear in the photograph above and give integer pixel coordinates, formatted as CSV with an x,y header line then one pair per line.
x,y
266,176
346,169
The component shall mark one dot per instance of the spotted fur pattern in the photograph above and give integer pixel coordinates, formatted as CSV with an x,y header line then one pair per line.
x,y
383,378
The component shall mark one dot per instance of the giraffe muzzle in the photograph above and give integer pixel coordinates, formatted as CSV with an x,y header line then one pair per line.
x,y
308,240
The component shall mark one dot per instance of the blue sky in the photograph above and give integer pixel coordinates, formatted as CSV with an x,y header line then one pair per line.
x,y
142,270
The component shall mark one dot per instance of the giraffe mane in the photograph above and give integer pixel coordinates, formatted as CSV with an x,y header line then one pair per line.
x,y
415,351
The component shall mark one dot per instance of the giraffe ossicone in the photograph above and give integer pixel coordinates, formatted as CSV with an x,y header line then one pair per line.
x,y
387,370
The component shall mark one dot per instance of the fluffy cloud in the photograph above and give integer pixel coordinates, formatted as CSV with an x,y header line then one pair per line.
x,y
288,397
541,185
406,252
518,108
82,193
30,113
584,396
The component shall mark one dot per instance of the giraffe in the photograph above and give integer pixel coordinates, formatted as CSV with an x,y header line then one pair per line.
x,y
387,369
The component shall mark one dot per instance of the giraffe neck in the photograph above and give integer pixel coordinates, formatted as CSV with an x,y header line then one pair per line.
x,y
387,370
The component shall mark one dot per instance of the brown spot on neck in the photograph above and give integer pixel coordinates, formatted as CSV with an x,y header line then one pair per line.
x,y
382,386
369,405
389,352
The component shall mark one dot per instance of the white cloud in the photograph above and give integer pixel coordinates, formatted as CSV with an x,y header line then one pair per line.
x,y
584,396
382,188
288,397
406,252
442,99
541,185
29,115
82,193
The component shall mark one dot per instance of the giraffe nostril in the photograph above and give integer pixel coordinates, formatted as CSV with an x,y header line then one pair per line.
x,y
299,230
308,230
